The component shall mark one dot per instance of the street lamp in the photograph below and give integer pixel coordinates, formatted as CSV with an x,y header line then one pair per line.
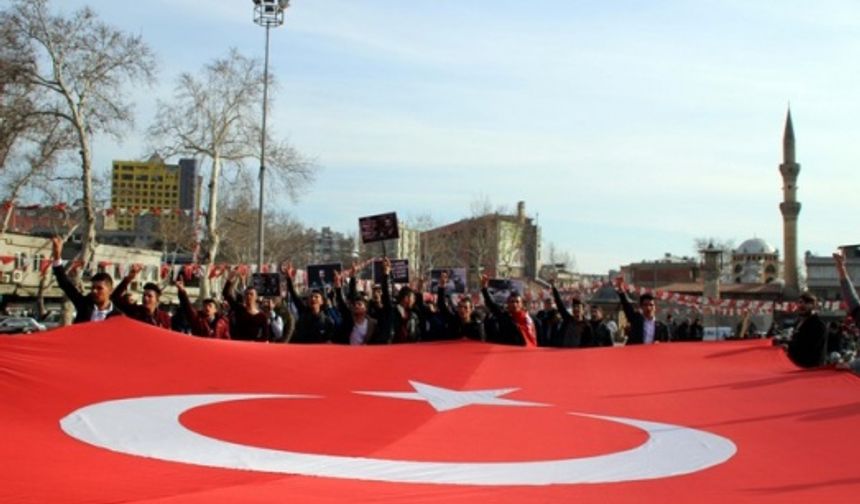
x,y
267,13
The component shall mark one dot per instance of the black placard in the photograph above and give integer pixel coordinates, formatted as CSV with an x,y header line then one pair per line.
x,y
321,276
399,271
266,284
378,227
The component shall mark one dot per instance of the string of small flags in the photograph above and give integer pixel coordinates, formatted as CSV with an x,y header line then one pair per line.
x,y
7,206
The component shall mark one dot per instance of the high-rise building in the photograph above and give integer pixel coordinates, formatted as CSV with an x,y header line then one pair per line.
x,y
153,188
330,246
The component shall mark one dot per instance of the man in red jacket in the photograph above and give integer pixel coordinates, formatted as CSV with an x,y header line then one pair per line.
x,y
147,312
207,322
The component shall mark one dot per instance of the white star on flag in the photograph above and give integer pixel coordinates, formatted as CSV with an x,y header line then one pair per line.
x,y
443,399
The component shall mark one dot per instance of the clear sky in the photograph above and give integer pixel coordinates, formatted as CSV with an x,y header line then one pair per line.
x,y
629,128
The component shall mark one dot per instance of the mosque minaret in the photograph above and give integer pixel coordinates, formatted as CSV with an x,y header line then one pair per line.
x,y
790,208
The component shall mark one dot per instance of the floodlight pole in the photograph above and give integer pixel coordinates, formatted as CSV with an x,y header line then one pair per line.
x,y
267,13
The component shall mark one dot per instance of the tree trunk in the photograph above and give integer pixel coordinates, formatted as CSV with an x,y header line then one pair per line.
x,y
88,243
88,238
214,237
40,296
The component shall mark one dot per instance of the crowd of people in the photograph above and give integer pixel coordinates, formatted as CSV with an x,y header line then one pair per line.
x,y
345,315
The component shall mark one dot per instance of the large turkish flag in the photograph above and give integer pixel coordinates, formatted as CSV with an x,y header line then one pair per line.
x,y
123,412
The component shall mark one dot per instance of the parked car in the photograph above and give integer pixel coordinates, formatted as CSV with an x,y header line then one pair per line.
x,y
52,320
18,325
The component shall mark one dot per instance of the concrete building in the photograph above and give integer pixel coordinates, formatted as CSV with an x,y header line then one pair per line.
x,y
43,220
22,258
659,273
330,246
503,246
822,279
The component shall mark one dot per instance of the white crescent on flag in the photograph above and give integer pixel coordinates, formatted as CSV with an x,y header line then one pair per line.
x,y
150,427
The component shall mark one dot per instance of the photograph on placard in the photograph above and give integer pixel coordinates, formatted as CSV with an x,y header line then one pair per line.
x,y
380,227
456,280
266,284
321,276
501,288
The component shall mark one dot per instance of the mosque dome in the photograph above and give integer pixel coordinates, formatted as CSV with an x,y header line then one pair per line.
x,y
755,246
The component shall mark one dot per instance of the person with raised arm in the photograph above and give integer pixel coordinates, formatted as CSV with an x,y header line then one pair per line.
x,y
849,293
464,323
357,327
207,322
575,332
312,325
401,322
148,312
93,307
515,325
644,326
249,322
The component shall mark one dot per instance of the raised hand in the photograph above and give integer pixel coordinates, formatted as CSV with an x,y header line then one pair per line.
x,y
180,284
56,247
135,269
839,258
354,269
485,280
386,265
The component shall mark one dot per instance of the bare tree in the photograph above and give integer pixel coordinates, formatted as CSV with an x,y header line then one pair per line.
x,y
555,256
16,101
30,143
216,116
288,238
80,67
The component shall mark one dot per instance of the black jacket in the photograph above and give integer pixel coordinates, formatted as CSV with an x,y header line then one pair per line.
x,y
507,331
455,328
809,342
84,305
572,333
637,324
344,329
310,327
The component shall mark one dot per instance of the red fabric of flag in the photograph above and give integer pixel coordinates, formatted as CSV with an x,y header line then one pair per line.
x,y
120,411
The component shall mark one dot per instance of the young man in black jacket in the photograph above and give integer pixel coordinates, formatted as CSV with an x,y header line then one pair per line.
x,y
462,324
808,344
312,325
400,322
93,307
356,327
574,332
644,326
515,325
